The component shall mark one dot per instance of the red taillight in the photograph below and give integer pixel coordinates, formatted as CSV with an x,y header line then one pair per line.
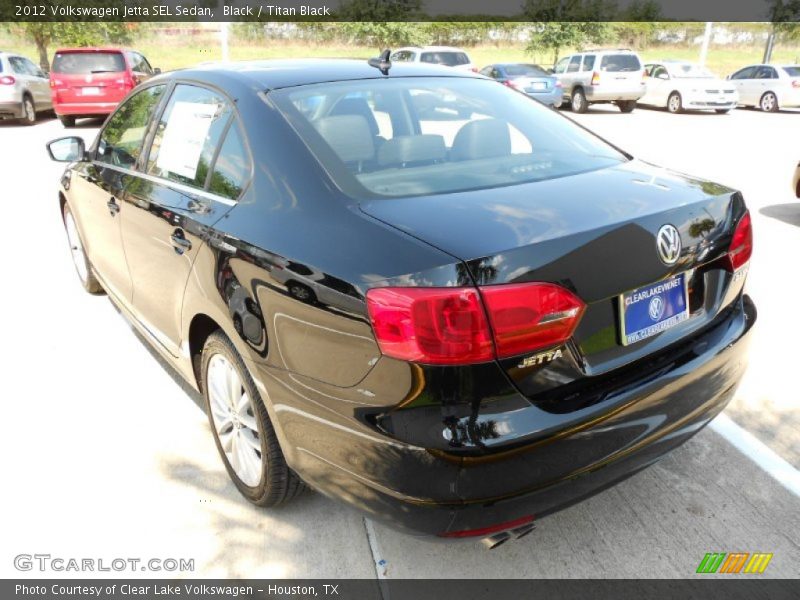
x,y
484,531
449,326
511,84
529,316
7,80
796,83
441,326
742,243
474,69
559,84
595,78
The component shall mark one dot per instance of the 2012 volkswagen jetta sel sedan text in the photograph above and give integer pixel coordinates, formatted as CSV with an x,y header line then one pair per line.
x,y
411,288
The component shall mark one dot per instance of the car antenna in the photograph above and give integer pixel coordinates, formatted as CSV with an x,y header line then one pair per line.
x,y
382,62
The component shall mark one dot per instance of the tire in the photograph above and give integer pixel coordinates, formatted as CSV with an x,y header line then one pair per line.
x,y
67,120
768,102
722,111
256,464
627,106
301,292
82,265
28,112
578,103
675,103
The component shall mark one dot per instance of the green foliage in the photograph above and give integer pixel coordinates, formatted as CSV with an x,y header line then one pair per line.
x,y
552,37
380,10
383,34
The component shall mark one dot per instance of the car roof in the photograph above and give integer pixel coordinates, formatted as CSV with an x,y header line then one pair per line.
x,y
432,48
94,49
275,74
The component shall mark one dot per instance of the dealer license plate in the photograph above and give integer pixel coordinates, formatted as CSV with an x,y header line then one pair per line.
x,y
653,308
90,91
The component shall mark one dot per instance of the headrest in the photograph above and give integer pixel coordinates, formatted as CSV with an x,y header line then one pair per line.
x,y
349,136
411,149
485,138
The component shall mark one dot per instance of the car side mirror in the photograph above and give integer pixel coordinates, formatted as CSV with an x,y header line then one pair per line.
x,y
157,71
662,76
67,149
551,70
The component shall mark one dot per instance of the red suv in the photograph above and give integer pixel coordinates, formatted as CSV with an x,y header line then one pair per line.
x,y
90,82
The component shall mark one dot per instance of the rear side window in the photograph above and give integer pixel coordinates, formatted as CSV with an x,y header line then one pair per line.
x,y
792,71
588,62
620,63
120,143
84,63
188,134
232,167
448,59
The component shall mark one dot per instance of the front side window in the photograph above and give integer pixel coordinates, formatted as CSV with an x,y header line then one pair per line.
x,y
120,143
446,135
574,65
188,134
746,73
561,65
588,62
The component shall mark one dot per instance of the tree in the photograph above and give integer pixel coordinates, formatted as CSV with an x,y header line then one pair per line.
x,y
42,35
555,36
571,23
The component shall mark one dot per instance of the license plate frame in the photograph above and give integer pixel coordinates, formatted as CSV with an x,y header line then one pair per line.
x,y
643,317
90,91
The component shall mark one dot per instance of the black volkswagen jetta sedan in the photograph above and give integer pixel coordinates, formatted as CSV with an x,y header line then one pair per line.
x,y
410,288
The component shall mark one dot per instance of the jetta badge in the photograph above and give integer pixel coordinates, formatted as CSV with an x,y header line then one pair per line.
x,y
668,244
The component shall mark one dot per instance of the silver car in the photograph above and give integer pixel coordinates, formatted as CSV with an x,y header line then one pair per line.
x,y
769,87
24,89
601,76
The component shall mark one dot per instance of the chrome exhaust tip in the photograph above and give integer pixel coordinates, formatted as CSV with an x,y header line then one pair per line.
x,y
493,541
521,532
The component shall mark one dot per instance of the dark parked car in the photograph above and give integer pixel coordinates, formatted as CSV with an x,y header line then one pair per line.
x,y
519,315
529,79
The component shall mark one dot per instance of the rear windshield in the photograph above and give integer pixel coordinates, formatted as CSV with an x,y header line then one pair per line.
x,y
84,63
448,59
525,71
792,71
431,135
620,63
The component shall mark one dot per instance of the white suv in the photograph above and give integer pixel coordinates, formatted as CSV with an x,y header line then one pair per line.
x,y
596,76
436,55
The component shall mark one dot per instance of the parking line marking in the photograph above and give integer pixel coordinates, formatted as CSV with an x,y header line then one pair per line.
x,y
374,548
757,451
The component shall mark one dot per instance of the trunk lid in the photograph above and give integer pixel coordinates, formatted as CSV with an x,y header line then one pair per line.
x,y
593,233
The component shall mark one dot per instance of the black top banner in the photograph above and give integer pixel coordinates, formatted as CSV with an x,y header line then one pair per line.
x,y
400,10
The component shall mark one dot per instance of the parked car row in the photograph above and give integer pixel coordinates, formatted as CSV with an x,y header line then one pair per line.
x,y
83,82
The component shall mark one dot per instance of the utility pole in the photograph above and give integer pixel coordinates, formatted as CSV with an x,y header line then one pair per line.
x,y
770,45
706,41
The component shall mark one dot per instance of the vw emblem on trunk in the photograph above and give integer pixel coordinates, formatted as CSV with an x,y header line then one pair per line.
x,y
668,244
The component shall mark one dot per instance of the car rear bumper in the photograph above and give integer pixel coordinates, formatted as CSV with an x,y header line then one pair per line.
x,y
10,110
431,491
600,94
551,98
85,108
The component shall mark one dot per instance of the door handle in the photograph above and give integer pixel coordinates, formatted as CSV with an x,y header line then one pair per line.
x,y
113,207
179,242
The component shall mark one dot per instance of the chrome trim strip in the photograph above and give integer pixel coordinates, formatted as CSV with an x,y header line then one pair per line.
x,y
178,187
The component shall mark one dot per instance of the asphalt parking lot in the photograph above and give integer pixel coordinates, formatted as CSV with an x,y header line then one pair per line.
x,y
106,455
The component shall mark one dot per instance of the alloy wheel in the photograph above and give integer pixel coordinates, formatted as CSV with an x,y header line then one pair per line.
x,y
234,420
76,247
769,103
674,103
